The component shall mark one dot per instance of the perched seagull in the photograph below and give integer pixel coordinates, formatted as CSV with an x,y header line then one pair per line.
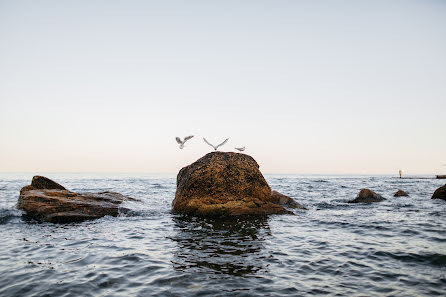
x,y
216,146
182,142
240,148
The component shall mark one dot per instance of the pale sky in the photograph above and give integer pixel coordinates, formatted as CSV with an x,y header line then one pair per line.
x,y
307,86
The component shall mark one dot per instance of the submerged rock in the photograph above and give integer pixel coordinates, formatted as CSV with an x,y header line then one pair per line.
x,y
46,200
367,196
400,193
224,184
440,193
280,199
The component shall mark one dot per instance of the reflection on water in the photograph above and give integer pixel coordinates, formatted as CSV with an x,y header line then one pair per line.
x,y
392,248
220,246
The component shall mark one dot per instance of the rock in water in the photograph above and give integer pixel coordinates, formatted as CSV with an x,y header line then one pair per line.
x,y
367,196
46,200
41,182
280,199
224,184
400,193
440,193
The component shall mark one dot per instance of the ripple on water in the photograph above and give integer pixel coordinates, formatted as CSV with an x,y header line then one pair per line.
x,y
392,248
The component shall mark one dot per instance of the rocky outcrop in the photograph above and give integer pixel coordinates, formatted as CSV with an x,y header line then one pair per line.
x,y
367,196
224,184
440,193
280,199
46,200
400,193
41,182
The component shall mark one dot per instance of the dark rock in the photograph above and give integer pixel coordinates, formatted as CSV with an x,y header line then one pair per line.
x,y
440,193
280,199
48,202
400,193
41,182
224,184
367,196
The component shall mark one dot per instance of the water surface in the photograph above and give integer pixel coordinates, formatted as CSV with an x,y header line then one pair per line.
x,y
393,248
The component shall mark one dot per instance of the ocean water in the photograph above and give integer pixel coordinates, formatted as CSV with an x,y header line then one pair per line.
x,y
393,248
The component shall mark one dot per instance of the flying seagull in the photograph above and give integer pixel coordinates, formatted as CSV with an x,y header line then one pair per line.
x,y
216,146
240,148
182,142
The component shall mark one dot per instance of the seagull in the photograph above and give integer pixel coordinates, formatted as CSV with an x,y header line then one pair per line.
x,y
240,148
216,146
182,142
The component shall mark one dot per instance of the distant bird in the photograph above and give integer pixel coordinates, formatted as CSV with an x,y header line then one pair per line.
x,y
182,142
240,148
216,146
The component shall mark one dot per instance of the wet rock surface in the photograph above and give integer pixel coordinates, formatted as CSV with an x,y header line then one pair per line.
x,y
400,193
224,184
46,200
367,196
440,193
280,199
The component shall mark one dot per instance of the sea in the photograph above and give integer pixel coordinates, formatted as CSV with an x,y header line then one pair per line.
x,y
393,248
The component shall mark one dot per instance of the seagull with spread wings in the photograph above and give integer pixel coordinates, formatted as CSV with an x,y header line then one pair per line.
x,y
182,142
216,146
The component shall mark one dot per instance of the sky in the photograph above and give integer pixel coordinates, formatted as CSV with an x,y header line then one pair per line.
x,y
309,87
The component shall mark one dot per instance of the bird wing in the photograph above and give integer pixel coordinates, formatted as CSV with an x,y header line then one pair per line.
x,y
226,140
208,142
187,138
178,140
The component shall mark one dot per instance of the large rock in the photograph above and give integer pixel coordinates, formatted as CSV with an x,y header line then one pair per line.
x,y
367,196
400,193
224,184
280,199
46,200
440,193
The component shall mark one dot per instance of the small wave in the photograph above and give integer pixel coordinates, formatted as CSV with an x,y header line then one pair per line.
x,y
431,259
6,215
127,212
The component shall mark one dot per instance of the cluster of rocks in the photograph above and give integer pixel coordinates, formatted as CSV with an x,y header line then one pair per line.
x,y
368,196
218,185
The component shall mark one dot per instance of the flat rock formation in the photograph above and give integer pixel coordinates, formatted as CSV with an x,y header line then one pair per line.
x,y
46,200
440,193
400,193
224,184
280,199
367,196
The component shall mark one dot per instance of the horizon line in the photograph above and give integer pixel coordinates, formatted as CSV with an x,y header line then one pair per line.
x,y
173,173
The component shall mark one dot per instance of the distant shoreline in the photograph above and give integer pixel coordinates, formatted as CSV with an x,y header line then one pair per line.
x,y
423,177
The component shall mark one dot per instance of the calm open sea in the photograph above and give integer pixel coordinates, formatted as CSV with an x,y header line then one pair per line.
x,y
393,248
